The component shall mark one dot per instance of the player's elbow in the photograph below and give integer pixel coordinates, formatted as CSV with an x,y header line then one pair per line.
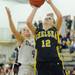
x,y
28,22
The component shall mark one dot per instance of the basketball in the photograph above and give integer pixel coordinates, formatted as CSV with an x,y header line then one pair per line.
x,y
37,3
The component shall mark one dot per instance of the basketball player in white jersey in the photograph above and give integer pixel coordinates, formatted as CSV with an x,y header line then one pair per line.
x,y
25,51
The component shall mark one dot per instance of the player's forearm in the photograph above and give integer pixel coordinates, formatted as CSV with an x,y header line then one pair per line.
x,y
30,19
17,35
31,16
57,12
11,24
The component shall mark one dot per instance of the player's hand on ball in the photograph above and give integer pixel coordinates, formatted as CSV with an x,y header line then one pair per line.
x,y
34,7
49,1
37,3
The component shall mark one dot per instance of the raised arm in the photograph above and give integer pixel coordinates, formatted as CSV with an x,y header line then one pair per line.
x,y
30,19
12,27
58,14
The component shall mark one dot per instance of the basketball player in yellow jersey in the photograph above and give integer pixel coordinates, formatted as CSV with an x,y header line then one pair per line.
x,y
46,39
25,56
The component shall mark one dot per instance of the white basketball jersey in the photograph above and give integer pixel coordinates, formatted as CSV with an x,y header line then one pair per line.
x,y
25,53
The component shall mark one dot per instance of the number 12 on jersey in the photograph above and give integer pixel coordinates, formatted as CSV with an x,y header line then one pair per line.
x,y
46,43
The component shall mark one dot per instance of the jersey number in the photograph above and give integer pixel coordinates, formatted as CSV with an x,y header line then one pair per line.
x,y
46,43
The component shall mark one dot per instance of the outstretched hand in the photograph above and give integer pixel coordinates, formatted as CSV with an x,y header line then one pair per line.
x,y
8,11
34,7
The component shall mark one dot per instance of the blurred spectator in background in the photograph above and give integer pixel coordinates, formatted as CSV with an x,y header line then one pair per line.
x,y
68,25
72,48
66,42
73,28
74,22
73,71
40,25
1,69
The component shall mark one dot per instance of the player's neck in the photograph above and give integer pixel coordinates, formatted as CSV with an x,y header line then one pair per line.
x,y
47,27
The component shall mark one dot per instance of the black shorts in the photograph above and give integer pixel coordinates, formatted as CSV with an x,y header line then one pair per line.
x,y
49,68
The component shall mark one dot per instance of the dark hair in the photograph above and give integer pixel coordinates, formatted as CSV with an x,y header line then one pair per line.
x,y
40,26
13,37
20,32
16,49
36,25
